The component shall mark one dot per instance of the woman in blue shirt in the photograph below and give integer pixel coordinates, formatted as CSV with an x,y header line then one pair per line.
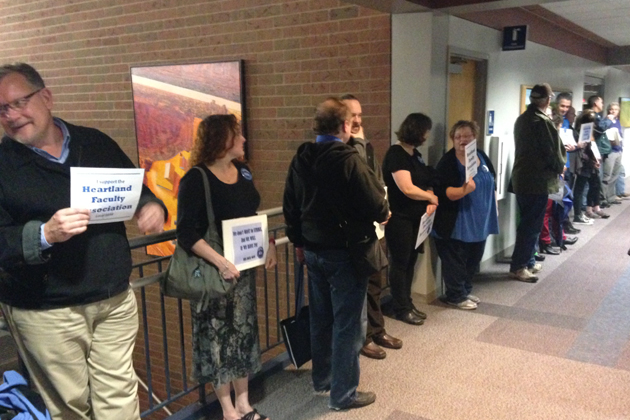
x,y
466,216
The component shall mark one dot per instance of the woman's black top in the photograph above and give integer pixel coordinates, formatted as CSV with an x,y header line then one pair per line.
x,y
229,201
422,176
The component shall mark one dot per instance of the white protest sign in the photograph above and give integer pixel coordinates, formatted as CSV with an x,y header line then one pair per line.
x,y
426,224
471,159
586,131
111,194
245,241
613,135
595,151
566,136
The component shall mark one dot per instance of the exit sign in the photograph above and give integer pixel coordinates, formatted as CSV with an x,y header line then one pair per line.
x,y
514,37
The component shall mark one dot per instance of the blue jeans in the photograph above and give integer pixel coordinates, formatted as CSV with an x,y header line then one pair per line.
x,y
337,298
532,208
620,185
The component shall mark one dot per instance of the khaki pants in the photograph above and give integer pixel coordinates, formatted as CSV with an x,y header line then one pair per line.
x,y
80,357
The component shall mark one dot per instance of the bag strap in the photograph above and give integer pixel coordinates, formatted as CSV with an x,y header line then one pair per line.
x,y
206,186
298,275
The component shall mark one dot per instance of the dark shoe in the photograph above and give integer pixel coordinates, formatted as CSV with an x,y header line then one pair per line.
x,y
410,318
602,214
388,341
362,399
418,313
548,249
604,205
252,416
373,351
571,230
539,257
571,241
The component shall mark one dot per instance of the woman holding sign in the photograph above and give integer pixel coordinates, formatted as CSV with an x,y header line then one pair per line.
x,y
409,187
587,172
225,335
466,216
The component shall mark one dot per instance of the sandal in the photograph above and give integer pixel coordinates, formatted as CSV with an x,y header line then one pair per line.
x,y
252,415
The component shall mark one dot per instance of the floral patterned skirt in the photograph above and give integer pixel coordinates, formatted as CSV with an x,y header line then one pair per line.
x,y
225,336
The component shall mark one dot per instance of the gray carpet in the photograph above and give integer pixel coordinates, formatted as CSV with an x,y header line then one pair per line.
x,y
558,349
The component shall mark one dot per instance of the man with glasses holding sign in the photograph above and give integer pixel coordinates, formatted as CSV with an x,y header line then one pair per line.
x,y
64,285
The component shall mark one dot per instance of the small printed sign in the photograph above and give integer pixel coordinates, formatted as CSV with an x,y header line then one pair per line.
x,y
514,37
245,241
586,131
426,224
490,130
111,194
471,159
566,136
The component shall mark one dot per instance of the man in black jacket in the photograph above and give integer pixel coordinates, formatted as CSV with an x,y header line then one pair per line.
x,y
328,181
376,336
64,284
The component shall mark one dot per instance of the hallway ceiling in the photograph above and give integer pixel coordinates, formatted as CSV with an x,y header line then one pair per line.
x,y
596,30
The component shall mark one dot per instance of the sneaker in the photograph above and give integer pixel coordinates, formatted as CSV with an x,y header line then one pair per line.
x,y
535,269
362,399
623,196
602,214
473,298
523,275
592,215
466,304
582,220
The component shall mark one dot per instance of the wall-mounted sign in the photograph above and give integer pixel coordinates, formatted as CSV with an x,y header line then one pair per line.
x,y
490,124
514,37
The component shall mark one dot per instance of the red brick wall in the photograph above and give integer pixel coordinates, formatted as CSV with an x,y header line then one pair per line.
x,y
296,54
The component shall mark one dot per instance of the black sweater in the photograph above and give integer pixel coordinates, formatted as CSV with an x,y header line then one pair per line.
x,y
329,174
89,267
449,176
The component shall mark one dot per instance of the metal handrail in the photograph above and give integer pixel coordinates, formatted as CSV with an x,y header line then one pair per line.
x,y
155,316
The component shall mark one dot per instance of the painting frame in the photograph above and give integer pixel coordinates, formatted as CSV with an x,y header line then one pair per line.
x,y
526,90
169,102
624,111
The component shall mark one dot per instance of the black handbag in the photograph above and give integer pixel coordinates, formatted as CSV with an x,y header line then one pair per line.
x,y
296,330
189,276
366,254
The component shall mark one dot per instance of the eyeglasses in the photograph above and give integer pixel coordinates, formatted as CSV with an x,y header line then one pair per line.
x,y
17,105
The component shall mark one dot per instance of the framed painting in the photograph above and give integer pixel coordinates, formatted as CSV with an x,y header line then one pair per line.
x,y
624,112
169,102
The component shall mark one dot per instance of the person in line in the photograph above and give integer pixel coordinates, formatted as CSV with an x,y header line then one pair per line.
x,y
552,235
588,174
376,336
225,334
538,162
565,110
467,215
613,167
596,104
328,180
70,310
410,184
620,186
